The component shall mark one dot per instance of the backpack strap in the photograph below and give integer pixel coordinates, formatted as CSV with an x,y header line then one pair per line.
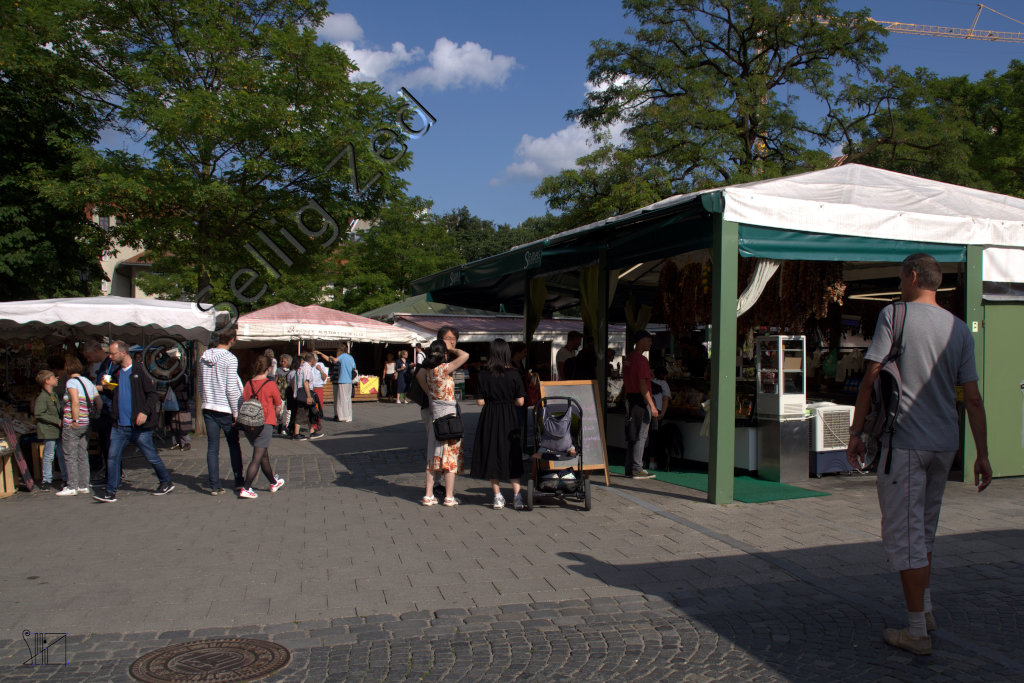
x,y
899,319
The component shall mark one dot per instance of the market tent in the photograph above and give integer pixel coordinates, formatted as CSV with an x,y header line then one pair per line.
x,y
112,316
510,328
289,322
849,214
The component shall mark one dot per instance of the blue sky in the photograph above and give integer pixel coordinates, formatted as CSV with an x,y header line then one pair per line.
x,y
499,78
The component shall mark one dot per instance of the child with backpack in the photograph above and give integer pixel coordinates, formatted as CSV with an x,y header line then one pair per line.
x,y
264,390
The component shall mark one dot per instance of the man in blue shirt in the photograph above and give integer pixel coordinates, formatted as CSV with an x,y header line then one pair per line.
x,y
135,414
345,370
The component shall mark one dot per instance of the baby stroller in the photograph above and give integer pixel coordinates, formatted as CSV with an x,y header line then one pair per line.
x,y
559,436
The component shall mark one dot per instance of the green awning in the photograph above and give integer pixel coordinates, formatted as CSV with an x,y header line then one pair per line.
x,y
809,246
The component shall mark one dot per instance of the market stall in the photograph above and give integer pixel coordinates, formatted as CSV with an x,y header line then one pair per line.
x,y
36,335
317,327
796,247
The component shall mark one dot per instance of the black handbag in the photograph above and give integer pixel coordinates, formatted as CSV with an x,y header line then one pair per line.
x,y
448,427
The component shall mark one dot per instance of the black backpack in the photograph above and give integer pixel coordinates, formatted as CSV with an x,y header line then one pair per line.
x,y
887,390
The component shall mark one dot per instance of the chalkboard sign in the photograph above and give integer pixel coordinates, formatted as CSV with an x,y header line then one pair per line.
x,y
595,453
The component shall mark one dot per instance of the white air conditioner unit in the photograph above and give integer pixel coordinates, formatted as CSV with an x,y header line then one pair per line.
x,y
830,426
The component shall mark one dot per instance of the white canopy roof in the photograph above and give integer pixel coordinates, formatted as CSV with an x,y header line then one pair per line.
x,y
289,322
105,316
862,201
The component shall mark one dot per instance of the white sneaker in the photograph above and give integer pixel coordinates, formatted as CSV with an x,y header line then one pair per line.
x,y
247,493
84,489
520,504
276,485
67,491
499,502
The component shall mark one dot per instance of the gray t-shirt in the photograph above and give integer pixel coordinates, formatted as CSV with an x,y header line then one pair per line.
x,y
938,354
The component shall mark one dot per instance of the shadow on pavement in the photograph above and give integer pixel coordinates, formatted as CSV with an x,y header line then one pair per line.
x,y
792,610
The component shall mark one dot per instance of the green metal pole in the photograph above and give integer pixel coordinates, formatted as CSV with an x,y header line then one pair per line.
x,y
975,317
601,333
724,271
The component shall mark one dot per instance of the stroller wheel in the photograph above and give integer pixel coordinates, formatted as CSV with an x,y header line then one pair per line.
x,y
586,493
529,494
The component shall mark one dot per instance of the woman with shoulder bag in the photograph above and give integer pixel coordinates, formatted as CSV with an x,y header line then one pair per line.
x,y
266,392
443,457
80,396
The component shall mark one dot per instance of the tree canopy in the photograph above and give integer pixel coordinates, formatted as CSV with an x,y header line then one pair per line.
x,y
250,125
707,92
951,129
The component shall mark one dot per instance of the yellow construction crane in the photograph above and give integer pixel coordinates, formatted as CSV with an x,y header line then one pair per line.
x,y
971,33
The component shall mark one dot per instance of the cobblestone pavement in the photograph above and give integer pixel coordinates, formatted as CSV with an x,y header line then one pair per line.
x,y
361,583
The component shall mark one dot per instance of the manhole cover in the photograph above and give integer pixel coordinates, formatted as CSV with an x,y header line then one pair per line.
x,y
221,659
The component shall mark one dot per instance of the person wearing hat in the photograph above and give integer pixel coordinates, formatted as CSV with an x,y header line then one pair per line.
x,y
640,408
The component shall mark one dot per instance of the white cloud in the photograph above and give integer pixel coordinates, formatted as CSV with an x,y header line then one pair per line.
x,y
374,64
339,27
455,66
540,157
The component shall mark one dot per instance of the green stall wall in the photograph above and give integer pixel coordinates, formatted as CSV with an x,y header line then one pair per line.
x,y
1003,375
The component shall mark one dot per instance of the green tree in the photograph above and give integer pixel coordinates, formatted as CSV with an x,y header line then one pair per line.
x,y
950,129
707,92
249,124
405,243
45,250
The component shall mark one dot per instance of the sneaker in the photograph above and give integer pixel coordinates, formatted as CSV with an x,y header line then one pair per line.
x,y
84,489
163,489
67,491
450,502
247,493
317,435
217,491
902,639
642,474
929,621
499,502
299,437
105,497
44,486
520,504
277,484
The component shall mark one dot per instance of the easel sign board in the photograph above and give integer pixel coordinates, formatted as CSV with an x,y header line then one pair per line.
x,y
595,452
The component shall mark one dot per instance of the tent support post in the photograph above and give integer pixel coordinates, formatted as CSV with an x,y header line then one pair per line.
x,y
601,332
975,317
724,271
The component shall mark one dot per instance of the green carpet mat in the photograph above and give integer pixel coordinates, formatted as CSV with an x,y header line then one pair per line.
x,y
745,489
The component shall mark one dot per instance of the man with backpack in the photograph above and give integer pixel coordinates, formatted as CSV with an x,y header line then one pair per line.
x,y
935,352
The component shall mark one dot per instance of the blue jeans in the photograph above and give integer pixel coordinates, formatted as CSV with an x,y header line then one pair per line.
x,y
143,438
49,448
216,423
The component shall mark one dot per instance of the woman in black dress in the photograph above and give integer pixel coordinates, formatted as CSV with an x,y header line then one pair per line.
x,y
497,453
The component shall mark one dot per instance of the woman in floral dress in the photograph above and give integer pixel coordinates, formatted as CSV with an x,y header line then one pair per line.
x,y
444,457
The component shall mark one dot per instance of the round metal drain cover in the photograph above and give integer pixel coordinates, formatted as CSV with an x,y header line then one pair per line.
x,y
220,659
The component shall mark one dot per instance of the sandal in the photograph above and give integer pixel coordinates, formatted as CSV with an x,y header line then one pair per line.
x,y
428,501
450,502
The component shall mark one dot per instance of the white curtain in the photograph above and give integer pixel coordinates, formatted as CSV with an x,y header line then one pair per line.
x,y
763,272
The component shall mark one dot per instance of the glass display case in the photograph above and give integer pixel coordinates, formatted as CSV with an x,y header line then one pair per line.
x,y
781,373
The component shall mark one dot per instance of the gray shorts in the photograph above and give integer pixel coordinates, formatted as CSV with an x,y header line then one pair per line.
x,y
260,438
910,497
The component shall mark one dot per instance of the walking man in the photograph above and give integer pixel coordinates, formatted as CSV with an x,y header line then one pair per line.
x,y
640,407
221,392
937,354
135,413
566,353
344,370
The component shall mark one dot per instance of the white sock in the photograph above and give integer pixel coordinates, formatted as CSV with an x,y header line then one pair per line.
x,y
917,624
927,599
